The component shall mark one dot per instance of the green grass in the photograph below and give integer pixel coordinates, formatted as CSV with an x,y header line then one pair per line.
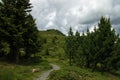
x,y
10,71
76,73
54,43
23,71
57,56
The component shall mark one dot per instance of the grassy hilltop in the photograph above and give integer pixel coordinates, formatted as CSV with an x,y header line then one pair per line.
x,y
53,43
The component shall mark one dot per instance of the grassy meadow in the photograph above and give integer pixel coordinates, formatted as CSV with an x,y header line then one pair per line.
x,y
11,71
52,52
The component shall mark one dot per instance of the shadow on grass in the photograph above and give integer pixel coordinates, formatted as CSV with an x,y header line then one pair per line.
x,y
26,62
31,61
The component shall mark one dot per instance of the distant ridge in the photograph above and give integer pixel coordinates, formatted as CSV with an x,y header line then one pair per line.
x,y
53,31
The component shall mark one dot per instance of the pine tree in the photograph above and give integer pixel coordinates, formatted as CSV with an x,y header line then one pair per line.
x,y
106,41
69,46
79,57
114,61
18,28
32,42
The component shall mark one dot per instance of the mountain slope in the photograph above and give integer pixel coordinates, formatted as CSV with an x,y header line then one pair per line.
x,y
53,43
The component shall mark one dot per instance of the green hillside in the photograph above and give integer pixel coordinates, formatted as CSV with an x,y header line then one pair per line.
x,y
53,43
53,51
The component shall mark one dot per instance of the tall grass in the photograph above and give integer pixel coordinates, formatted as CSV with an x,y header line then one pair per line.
x,y
76,73
10,71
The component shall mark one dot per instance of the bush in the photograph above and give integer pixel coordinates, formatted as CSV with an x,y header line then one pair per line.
x,y
66,74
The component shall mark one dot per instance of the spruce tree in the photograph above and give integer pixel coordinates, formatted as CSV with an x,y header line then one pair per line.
x,y
114,61
106,41
69,49
18,28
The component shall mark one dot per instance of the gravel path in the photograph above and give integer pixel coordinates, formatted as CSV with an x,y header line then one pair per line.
x,y
46,73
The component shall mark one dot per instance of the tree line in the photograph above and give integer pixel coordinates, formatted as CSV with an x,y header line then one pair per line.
x,y
18,32
99,49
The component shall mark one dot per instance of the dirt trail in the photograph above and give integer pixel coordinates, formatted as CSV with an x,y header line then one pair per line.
x,y
46,73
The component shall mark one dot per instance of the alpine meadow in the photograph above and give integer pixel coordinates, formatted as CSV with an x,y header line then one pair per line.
x,y
59,40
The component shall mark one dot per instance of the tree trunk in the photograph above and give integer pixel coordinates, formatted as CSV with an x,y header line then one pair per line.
x,y
87,62
17,56
70,60
11,55
94,66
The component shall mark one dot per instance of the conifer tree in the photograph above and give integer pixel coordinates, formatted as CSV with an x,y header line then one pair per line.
x,y
69,46
106,40
18,28
100,47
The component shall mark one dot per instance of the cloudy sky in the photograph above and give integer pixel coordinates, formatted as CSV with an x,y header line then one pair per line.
x,y
79,14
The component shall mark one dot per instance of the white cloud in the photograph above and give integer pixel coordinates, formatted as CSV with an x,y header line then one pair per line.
x,y
51,16
61,14
49,24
